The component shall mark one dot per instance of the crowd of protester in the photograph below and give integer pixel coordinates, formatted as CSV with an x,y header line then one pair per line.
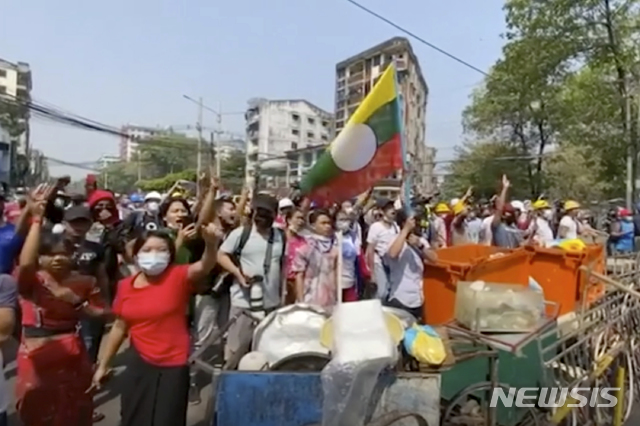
x,y
166,271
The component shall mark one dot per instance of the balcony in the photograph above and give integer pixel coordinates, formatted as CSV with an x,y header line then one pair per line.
x,y
253,126
355,78
252,135
252,115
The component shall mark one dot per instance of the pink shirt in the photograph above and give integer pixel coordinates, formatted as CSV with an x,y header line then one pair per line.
x,y
294,244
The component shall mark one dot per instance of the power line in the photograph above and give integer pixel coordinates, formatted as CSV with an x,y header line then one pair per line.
x,y
415,36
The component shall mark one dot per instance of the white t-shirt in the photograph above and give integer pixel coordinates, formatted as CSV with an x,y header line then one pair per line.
x,y
571,225
543,233
380,237
486,234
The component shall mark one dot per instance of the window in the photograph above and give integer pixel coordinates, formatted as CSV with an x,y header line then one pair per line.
x,y
3,90
340,94
295,117
294,146
310,135
339,124
3,73
340,104
324,138
295,132
341,73
307,159
311,121
325,124
376,61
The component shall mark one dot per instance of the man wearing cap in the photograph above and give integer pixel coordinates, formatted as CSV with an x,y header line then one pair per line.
x,y
503,223
89,259
259,263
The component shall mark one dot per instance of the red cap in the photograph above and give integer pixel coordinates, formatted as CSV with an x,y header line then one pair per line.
x,y
624,212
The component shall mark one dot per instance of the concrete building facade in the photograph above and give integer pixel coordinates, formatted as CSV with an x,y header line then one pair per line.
x,y
15,84
278,129
355,78
133,134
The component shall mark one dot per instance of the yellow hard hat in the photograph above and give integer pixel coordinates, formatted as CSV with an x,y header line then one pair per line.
x,y
571,205
541,204
442,208
458,208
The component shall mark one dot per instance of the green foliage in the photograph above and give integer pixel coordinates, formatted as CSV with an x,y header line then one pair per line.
x,y
166,182
232,173
123,177
119,177
13,119
167,154
566,81
482,165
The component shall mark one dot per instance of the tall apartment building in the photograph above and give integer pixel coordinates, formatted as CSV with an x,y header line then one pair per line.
x,y
15,83
278,129
356,76
133,134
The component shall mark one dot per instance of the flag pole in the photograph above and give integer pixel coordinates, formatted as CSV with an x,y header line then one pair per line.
x,y
339,266
406,177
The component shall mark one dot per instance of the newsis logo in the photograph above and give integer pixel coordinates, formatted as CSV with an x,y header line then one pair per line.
x,y
554,397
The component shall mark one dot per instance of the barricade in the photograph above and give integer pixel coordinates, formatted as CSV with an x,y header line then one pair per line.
x,y
470,262
563,282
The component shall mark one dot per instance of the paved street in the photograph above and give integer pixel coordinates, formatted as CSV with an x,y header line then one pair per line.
x,y
108,401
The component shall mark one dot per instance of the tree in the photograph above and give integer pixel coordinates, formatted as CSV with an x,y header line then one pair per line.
x,y
166,182
13,119
573,170
119,177
482,165
565,77
170,154
233,169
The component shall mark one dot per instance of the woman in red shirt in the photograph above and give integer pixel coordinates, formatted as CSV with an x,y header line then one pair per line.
x,y
54,371
150,309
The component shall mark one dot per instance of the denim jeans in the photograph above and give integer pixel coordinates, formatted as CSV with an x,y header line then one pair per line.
x,y
91,330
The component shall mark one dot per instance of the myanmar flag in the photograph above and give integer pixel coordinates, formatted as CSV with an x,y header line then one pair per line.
x,y
368,149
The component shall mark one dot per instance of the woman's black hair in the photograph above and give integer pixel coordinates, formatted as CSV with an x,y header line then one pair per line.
x,y
50,242
315,215
164,207
156,233
291,212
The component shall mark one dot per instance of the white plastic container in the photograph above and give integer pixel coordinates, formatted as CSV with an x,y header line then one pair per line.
x,y
495,308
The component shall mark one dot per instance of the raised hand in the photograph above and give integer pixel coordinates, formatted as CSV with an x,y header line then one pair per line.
x,y
211,233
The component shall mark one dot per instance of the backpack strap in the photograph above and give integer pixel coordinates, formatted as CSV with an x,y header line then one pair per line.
x,y
242,242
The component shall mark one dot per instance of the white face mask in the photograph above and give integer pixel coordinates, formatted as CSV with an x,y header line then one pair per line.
x,y
343,225
152,263
628,219
153,206
547,214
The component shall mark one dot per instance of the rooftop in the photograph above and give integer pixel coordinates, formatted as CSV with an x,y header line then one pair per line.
x,y
394,42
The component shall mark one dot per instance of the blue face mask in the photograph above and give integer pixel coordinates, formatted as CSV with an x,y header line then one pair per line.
x,y
153,263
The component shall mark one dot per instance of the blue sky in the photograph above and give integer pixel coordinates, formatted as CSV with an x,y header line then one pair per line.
x,y
131,61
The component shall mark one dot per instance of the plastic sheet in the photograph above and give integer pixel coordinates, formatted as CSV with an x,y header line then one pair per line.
x,y
362,348
290,330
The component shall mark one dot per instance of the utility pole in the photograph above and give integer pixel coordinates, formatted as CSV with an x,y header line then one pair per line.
x,y
630,150
199,156
217,146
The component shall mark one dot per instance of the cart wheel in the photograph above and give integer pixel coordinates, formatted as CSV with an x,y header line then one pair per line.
x,y
465,408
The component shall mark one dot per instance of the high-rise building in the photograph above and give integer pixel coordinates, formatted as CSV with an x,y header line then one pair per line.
x,y
356,76
132,135
278,128
15,85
